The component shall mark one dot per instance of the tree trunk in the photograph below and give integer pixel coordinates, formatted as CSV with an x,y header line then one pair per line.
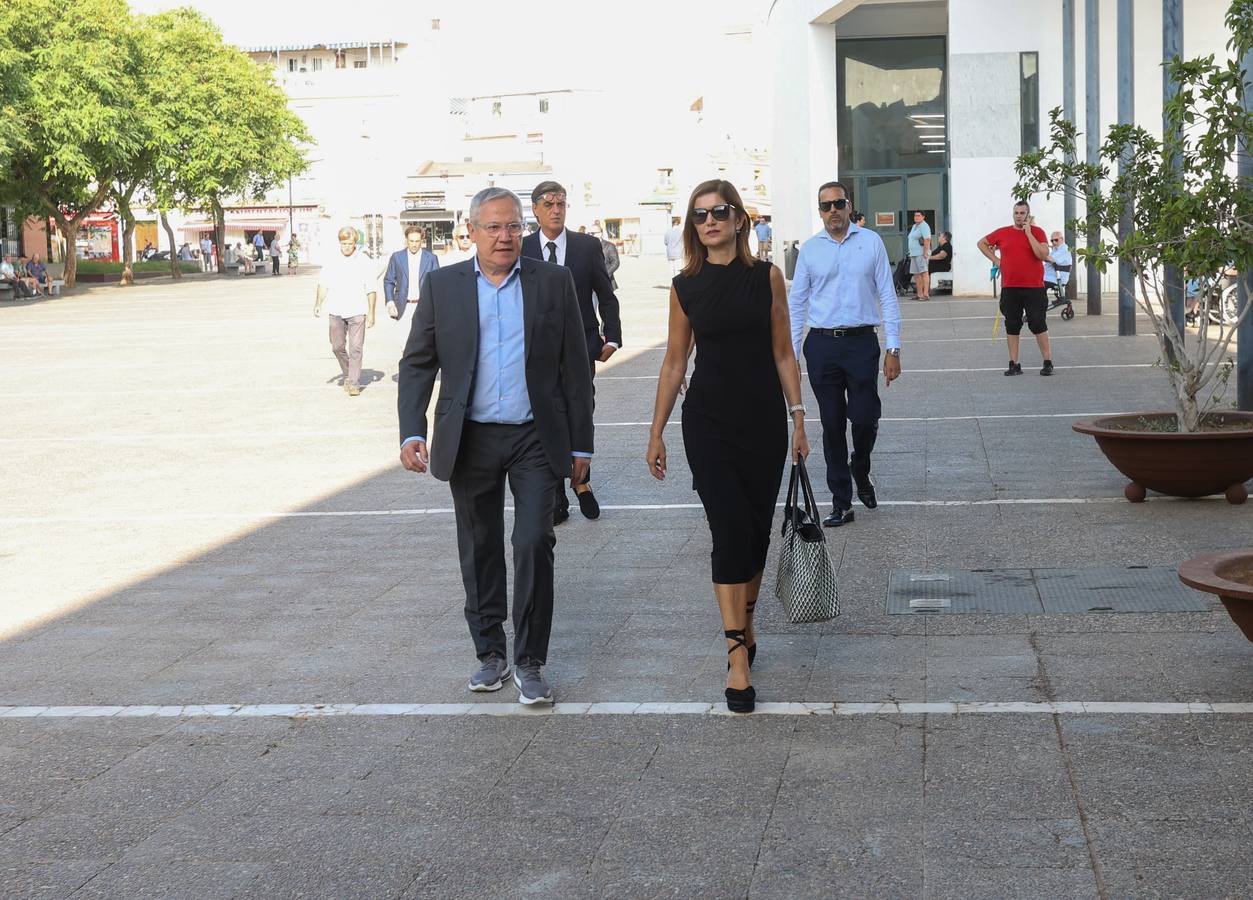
x,y
176,264
69,227
219,234
128,247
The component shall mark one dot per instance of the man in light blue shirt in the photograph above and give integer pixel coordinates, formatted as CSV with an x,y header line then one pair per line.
x,y
842,290
919,254
504,335
764,236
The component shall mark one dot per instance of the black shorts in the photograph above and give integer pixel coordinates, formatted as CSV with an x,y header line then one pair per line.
x,y
1016,301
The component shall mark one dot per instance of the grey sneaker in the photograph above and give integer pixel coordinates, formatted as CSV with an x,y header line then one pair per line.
x,y
532,688
491,675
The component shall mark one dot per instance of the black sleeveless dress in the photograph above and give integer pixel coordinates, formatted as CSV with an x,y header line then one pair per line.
x,y
735,426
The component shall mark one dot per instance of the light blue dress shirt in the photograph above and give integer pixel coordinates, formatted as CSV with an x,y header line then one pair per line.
x,y
500,394
842,284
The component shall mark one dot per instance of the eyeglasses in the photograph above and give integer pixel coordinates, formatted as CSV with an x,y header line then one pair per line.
x,y
1055,240
721,213
826,205
495,228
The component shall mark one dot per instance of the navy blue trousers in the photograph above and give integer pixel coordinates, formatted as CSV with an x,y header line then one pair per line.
x,y
844,373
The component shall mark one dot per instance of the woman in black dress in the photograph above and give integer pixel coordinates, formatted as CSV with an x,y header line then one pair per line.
x,y
734,416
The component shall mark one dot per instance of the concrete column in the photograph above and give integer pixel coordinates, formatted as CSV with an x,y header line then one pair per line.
x,y
1172,46
1092,127
1068,111
1244,337
1126,116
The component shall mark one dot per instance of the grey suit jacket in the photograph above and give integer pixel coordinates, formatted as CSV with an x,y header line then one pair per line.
x,y
444,339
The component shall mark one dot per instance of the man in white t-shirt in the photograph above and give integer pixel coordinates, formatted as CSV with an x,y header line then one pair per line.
x,y
348,289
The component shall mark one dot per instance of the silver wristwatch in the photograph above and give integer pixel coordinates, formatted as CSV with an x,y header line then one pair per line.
x,y
894,351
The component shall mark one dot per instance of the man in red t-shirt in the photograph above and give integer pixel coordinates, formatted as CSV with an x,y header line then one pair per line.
x,y
1023,248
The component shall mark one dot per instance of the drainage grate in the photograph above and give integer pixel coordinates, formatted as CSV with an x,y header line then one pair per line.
x,y
1039,591
1000,591
1156,589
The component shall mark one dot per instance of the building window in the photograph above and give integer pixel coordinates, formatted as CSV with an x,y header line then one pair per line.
x,y
359,64
434,24
317,64
891,103
292,65
543,104
1029,64
341,59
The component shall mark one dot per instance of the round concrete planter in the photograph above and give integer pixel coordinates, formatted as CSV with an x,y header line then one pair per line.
x,y
1230,576
1181,465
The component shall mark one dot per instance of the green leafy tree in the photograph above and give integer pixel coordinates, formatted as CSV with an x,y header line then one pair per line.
x,y
227,130
72,131
1190,209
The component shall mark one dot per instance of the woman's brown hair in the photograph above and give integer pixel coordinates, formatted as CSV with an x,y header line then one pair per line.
x,y
693,249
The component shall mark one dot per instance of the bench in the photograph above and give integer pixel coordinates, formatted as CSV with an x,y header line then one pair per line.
x,y
941,282
57,284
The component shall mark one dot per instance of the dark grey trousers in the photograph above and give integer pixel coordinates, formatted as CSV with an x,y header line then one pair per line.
x,y
489,454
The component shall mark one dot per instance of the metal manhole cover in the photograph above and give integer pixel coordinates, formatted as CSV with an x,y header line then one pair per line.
x,y
1111,589
1117,590
999,591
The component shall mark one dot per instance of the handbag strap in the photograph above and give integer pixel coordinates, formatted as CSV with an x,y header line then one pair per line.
x,y
811,505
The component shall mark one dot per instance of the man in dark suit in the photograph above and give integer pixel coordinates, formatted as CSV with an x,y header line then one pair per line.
x,y
405,270
583,256
505,336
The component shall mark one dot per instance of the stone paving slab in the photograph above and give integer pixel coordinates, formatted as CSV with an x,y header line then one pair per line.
x,y
147,575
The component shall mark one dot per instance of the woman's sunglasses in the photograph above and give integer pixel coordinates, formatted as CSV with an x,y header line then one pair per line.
x,y
825,205
721,213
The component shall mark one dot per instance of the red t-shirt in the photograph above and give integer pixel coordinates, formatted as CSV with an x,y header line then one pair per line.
x,y
1019,266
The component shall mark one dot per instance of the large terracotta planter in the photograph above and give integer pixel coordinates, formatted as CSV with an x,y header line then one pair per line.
x,y
1181,465
1230,576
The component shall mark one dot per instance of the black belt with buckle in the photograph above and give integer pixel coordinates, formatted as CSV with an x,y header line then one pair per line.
x,y
846,332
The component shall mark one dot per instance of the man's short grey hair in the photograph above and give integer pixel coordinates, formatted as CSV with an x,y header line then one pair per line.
x,y
487,195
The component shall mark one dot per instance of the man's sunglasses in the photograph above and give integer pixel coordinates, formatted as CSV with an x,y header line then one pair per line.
x,y
721,213
825,205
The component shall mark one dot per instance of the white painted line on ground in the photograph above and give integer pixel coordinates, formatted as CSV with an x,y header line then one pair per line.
x,y
620,708
907,341
448,511
296,434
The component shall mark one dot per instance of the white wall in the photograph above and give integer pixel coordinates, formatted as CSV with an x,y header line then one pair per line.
x,y
804,151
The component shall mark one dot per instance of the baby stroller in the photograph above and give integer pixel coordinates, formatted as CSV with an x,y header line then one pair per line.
x,y
1057,289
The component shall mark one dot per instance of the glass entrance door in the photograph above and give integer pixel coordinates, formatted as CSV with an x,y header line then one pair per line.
x,y
884,207
889,202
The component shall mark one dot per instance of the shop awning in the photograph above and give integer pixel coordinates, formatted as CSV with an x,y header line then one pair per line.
x,y
259,224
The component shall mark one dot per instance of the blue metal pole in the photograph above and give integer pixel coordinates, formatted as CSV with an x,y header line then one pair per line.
x,y
1244,336
1126,115
1092,112
1068,111
1172,46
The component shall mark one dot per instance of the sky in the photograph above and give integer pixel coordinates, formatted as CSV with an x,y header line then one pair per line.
x,y
647,45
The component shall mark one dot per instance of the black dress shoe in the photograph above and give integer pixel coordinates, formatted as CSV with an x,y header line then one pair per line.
x,y
561,513
838,517
588,504
865,492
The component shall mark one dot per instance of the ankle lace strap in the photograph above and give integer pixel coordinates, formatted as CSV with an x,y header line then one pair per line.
x,y
736,635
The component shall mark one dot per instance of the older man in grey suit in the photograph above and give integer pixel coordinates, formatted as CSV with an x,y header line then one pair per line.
x,y
506,336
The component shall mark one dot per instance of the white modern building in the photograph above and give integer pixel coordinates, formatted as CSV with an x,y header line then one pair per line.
x,y
924,104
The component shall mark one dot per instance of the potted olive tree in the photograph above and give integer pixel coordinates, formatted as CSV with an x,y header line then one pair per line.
x,y
1192,212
